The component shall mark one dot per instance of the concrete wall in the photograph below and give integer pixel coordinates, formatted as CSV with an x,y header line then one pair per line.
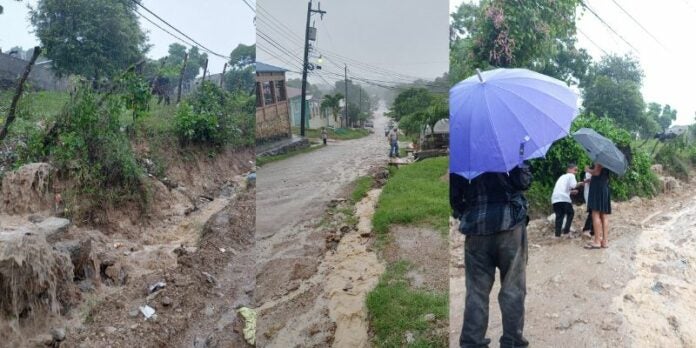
x,y
41,76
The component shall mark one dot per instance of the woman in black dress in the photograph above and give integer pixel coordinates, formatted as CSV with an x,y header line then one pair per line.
x,y
599,201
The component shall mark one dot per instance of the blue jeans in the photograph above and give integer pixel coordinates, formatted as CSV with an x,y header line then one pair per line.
x,y
394,150
506,250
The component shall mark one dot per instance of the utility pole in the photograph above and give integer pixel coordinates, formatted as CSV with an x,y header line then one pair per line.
x,y
305,65
345,76
205,69
360,105
222,77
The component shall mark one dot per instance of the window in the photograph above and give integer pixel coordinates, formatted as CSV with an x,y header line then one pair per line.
x,y
259,99
280,90
267,95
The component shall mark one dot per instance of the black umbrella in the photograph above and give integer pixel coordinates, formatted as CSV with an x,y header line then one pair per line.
x,y
602,150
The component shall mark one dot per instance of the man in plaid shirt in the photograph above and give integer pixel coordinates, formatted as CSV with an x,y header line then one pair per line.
x,y
492,211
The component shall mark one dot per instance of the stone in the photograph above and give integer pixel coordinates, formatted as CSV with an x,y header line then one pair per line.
x,y
606,286
58,334
629,298
53,227
110,330
167,301
430,317
410,339
34,218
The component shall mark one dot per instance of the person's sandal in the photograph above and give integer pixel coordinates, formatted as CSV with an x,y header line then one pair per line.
x,y
590,246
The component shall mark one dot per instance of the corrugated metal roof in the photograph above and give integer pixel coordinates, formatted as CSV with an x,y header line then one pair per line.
x,y
263,67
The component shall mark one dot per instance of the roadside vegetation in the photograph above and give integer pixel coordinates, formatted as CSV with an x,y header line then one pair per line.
x,y
117,123
336,134
263,160
401,312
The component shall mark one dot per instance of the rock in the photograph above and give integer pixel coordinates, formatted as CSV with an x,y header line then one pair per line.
x,y
410,339
53,227
86,285
348,286
156,287
557,278
110,330
44,340
34,218
629,298
116,274
209,278
58,334
606,286
657,169
167,301
658,287
430,317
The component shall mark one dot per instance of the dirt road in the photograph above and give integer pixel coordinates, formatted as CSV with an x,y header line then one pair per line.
x,y
293,270
637,293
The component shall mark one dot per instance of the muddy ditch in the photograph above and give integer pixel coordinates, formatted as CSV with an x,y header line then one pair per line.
x,y
75,284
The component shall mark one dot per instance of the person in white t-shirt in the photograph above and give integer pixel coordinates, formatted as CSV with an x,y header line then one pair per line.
x,y
566,186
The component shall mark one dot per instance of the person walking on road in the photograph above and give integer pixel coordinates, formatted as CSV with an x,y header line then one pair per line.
x,y
492,211
394,142
599,201
566,185
324,135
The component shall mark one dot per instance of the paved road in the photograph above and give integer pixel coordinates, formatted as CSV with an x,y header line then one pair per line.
x,y
298,188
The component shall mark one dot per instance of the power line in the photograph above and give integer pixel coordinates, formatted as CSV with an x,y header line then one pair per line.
x,y
596,45
584,4
180,32
249,5
640,25
164,30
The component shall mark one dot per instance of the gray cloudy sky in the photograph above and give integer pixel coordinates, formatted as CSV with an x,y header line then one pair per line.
x,y
220,25
669,71
409,37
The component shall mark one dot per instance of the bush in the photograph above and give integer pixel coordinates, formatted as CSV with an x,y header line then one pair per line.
x,y
214,116
675,159
95,154
639,180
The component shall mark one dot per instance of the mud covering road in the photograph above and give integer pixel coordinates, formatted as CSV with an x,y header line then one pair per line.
x,y
292,295
637,293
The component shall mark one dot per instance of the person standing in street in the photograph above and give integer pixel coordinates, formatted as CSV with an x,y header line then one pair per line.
x,y
599,201
324,135
394,142
566,185
492,211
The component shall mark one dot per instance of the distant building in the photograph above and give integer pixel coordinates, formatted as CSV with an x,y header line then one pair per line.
x,y
272,107
41,76
314,118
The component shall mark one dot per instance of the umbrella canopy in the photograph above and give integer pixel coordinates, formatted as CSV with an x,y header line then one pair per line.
x,y
602,150
501,117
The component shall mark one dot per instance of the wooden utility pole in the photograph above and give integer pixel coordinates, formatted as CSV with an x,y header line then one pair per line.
x,y
222,78
181,78
305,65
345,110
18,93
205,69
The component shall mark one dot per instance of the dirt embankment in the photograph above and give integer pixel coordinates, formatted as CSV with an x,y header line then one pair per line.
x,y
89,282
637,293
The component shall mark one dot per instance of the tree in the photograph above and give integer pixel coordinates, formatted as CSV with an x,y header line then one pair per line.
x,y
662,116
333,103
194,63
241,76
92,38
535,34
613,90
410,101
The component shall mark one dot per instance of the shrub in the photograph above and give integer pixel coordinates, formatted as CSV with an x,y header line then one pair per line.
x,y
214,116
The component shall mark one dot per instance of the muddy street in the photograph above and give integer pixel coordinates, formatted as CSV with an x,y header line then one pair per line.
x,y
637,293
294,278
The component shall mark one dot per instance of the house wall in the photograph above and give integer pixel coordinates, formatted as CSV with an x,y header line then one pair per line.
x,y
272,117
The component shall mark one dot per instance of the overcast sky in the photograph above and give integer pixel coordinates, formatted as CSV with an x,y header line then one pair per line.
x,y
409,37
220,25
670,71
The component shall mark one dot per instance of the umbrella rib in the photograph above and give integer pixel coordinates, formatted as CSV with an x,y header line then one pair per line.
x,y
490,121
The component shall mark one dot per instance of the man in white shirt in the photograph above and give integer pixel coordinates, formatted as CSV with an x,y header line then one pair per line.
x,y
565,186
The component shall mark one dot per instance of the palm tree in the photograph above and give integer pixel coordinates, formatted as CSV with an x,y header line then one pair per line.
x,y
333,103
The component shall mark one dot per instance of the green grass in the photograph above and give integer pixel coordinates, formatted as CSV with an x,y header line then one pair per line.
x,y
336,134
415,194
395,308
362,185
262,160
34,106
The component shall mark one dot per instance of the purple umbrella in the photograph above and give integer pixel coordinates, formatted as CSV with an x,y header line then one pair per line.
x,y
502,117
